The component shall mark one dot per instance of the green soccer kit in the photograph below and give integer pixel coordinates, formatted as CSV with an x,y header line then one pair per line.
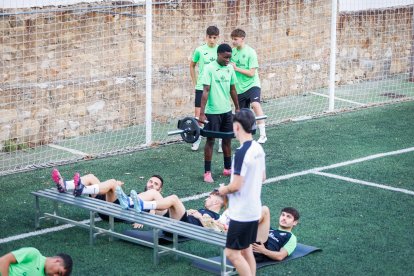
x,y
203,55
29,262
245,58
220,78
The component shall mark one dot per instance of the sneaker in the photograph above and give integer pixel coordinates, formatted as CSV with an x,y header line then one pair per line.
x,y
137,201
196,144
122,198
58,179
262,139
220,149
78,185
227,172
208,178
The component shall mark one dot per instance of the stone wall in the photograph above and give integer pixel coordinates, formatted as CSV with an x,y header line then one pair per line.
x,y
77,70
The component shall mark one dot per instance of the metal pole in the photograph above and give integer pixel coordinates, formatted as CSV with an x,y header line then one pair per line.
x,y
332,68
412,47
148,72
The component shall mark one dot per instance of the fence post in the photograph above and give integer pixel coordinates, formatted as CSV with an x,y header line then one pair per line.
x,y
332,69
412,46
148,72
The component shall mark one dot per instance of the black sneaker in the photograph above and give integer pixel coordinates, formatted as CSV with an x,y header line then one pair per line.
x,y
78,185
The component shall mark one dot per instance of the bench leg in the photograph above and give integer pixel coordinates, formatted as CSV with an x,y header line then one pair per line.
x,y
37,213
155,236
56,211
223,262
91,227
175,244
111,227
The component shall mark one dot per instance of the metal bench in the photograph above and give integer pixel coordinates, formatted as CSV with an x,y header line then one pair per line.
x,y
157,223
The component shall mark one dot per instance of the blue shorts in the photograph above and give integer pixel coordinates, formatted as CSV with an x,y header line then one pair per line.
x,y
251,95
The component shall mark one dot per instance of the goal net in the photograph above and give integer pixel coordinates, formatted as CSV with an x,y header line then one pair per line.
x,y
87,79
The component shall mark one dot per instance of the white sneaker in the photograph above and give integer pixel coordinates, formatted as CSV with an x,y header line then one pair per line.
x,y
196,144
220,148
262,139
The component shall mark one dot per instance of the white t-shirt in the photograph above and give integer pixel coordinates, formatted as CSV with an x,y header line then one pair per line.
x,y
248,162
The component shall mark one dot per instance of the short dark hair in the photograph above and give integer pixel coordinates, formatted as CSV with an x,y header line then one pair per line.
x,y
246,119
224,48
212,30
160,178
238,33
292,211
67,263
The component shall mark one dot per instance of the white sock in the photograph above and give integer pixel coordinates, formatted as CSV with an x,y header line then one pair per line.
x,y
149,205
262,129
91,190
69,185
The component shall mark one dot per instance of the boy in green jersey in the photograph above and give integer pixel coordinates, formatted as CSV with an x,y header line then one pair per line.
x,y
29,261
219,86
245,64
203,55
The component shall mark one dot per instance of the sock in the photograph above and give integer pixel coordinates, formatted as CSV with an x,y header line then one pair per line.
x,y
130,202
207,166
227,162
262,129
91,190
69,185
149,205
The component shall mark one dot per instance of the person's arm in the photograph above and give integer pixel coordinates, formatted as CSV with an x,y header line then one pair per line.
x,y
233,187
234,98
274,255
248,72
192,72
5,263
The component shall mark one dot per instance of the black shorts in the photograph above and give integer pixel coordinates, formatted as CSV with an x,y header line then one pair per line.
x,y
241,234
219,122
106,217
251,95
198,96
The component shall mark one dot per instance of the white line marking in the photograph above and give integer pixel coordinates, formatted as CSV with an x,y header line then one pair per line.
x,y
270,180
353,180
41,232
68,149
338,98
337,165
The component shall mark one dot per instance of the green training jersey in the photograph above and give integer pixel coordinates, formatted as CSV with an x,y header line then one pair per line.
x,y
291,244
245,58
203,55
220,78
29,262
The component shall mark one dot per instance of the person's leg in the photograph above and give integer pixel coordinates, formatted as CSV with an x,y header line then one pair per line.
x,y
208,156
197,104
264,225
227,126
249,257
238,261
257,108
174,205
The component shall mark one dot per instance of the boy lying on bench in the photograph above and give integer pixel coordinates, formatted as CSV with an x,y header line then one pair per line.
x,y
205,217
90,185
